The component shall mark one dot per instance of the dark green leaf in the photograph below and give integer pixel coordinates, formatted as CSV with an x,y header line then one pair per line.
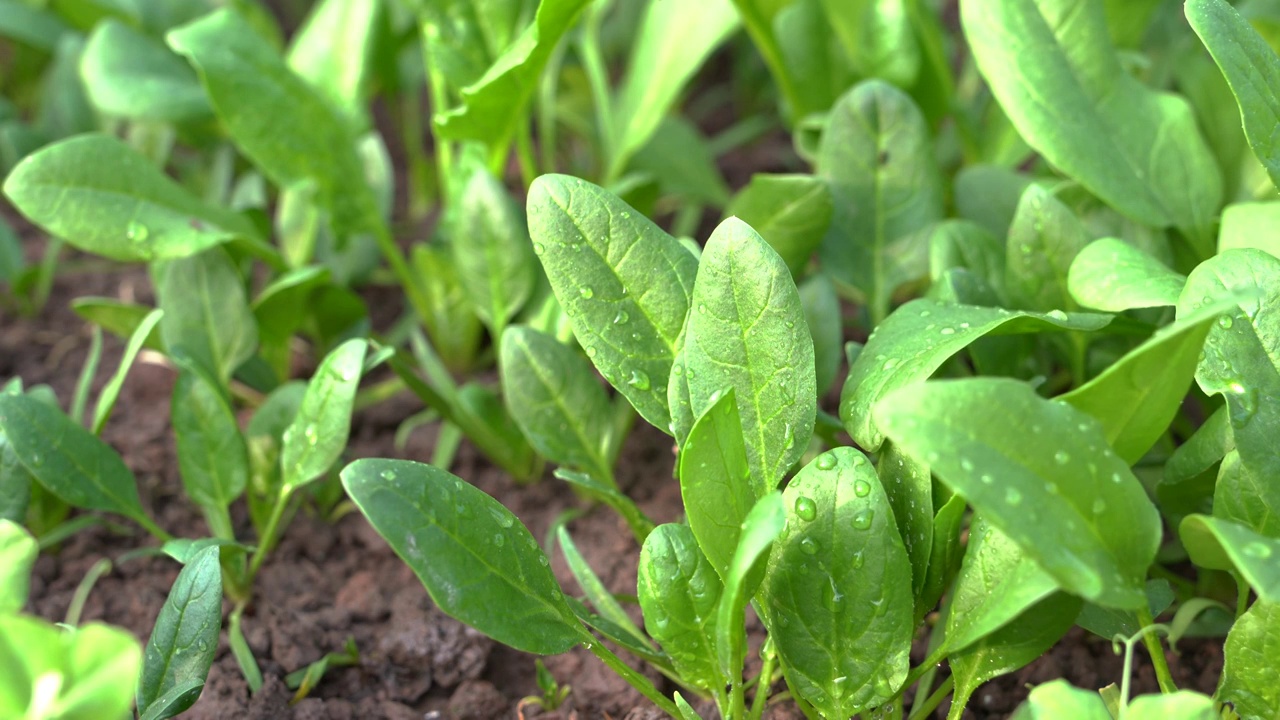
x,y
1252,70
492,252
1035,454
476,560
212,456
1108,622
748,333
878,160
67,459
185,638
1134,147
909,488
679,593
1114,275
945,554
318,434
625,284
131,75
104,198
1252,653
715,481
917,338
206,314
1200,452
1043,241
791,212
837,595
453,325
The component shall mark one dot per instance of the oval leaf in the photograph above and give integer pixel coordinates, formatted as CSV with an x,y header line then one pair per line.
x,y
185,638
679,592
1225,545
715,482
318,434
212,456
18,551
1114,276
492,252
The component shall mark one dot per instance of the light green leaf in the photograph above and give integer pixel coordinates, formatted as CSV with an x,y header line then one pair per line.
x,y
1136,148
996,584
945,555
286,127
877,158
118,318
555,398
748,332
837,595
129,74
492,252
1137,396
877,38
452,323
791,212
1033,454
1044,238
1113,275
1252,70
107,199
463,37
1017,644
318,434
680,158
478,562
1224,545
97,667
35,26
764,523
679,592
988,195
1183,705
603,601
494,105
1250,225
68,460
715,481
334,52
18,550
184,640
1252,654
206,313
1241,364
673,41
625,284
918,338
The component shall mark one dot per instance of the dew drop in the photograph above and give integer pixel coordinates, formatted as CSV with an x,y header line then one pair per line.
x,y
621,318
498,540
702,309
948,331
137,232
1115,478
925,313
586,292
591,351
1099,505
538,248
1056,315
987,479
504,519
808,546
1225,322
1061,457
311,435
856,561
862,519
1257,550
1012,496
37,459
806,508
639,380
826,461
862,488
388,475
890,364
966,464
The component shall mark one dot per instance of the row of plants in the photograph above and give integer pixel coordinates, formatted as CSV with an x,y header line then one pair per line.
x,y
1054,228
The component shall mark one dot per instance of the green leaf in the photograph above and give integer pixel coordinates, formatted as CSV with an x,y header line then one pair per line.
x,y
1136,148
1251,655
463,37
1043,241
988,195
1137,396
679,592
821,306
624,283
945,554
715,481
1250,225
111,391
15,484
212,456
452,323
478,562
104,198
290,131
680,158
35,26
837,595
1206,447
672,43
184,640
909,487
333,51
96,664
1034,454
1224,545
554,397
494,105
996,584
748,332
918,338
18,552
1113,275
118,318
206,314
1251,69
593,489
1183,705
492,252
1240,363
318,435
791,212
129,74
68,460
604,601
877,38
1013,646
764,523
964,244
878,160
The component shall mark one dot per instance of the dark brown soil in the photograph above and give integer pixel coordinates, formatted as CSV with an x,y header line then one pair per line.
x,y
327,582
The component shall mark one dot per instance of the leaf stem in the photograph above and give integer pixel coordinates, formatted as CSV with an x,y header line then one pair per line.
x,y
81,595
760,32
917,672
1242,594
528,162
268,534
764,683
1163,676
919,712
633,678
598,79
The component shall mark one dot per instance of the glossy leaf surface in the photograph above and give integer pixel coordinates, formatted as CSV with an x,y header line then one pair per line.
x,y
1225,545
212,455
791,212
716,483
762,526
206,313
1113,275
1251,655
318,435
492,252
184,640
679,592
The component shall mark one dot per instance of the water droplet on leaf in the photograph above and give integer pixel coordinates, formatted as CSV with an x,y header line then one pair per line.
x,y
862,519
806,508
